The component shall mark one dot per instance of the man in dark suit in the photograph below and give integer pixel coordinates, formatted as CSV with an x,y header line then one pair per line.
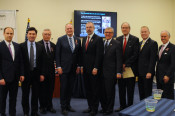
x,y
92,56
11,71
67,61
47,86
166,66
112,69
130,45
34,60
146,63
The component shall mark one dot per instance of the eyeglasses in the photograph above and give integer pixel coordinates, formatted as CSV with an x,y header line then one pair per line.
x,y
108,32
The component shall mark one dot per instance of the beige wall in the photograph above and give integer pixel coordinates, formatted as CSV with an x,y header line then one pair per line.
x,y
54,14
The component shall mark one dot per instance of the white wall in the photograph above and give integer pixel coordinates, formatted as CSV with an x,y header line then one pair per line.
x,y
54,14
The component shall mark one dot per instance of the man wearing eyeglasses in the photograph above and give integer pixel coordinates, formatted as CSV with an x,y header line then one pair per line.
x,y
112,69
92,54
47,86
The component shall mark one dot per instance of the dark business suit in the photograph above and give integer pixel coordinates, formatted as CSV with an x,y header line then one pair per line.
x,y
32,77
146,64
92,58
10,71
166,67
112,64
47,87
130,58
68,61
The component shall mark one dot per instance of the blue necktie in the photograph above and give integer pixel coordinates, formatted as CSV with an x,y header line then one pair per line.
x,y
71,44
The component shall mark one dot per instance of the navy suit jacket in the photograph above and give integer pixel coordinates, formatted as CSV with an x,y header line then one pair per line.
x,y
112,60
147,57
10,69
65,58
40,60
130,56
93,57
166,64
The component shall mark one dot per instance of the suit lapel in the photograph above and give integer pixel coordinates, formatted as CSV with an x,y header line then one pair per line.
x,y
26,50
165,50
6,50
145,45
110,45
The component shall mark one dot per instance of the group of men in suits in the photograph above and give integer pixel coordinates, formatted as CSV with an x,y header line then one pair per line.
x,y
33,64
101,63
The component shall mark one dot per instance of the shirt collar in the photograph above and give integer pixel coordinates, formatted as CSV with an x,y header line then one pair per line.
x,y
7,43
109,40
126,36
145,40
165,45
29,43
46,42
91,35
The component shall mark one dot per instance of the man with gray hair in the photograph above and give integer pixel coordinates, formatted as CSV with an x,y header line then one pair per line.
x,y
47,86
166,66
67,61
112,69
146,63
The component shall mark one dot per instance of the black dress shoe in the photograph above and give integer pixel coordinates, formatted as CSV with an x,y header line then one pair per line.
x,y
42,111
26,114
87,111
119,109
3,114
108,112
34,114
51,110
102,111
92,113
64,112
70,109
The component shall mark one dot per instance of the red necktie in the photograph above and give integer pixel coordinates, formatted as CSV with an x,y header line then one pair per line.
x,y
87,42
124,45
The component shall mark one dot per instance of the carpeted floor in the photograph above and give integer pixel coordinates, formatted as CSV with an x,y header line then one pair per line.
x,y
78,104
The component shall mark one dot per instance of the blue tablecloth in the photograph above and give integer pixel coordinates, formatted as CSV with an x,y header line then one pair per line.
x,y
164,107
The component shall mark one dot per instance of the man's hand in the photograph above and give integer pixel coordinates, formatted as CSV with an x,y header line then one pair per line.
x,y
166,79
2,82
41,78
148,75
81,70
78,70
124,67
21,78
94,71
60,71
119,76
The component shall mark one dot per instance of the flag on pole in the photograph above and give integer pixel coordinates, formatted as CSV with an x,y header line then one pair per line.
x,y
28,25
70,21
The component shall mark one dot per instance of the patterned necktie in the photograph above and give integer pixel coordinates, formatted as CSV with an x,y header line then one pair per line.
x,y
161,51
71,44
124,45
87,42
10,50
143,43
48,50
31,57
106,46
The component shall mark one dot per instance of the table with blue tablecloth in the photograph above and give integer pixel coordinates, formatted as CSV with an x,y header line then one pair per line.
x,y
164,107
